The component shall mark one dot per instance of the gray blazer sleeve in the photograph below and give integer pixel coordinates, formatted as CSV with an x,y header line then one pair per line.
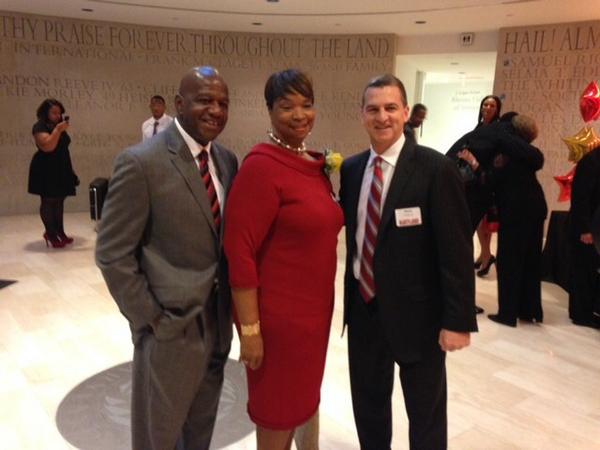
x,y
124,220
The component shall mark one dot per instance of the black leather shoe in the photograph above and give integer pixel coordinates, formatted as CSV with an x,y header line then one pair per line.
x,y
479,310
587,323
530,320
485,269
477,264
496,318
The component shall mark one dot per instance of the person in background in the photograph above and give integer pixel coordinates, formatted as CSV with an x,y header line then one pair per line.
x,y
51,174
584,292
409,283
522,211
160,251
159,121
280,240
418,114
489,112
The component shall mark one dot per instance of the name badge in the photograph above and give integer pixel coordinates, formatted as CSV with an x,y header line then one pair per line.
x,y
408,217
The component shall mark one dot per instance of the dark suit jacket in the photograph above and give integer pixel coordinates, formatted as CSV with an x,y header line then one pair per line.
x,y
423,274
585,196
157,246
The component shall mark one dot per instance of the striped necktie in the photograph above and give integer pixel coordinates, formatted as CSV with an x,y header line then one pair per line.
x,y
155,129
210,188
366,280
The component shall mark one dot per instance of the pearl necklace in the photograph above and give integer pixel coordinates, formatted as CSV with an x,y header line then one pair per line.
x,y
298,150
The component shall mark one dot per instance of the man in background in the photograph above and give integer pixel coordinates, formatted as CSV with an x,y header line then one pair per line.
x,y
418,115
159,120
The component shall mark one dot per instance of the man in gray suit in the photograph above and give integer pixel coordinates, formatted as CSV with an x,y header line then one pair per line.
x,y
159,250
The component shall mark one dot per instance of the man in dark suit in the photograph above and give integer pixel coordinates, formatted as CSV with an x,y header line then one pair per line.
x,y
409,285
418,114
159,249
584,292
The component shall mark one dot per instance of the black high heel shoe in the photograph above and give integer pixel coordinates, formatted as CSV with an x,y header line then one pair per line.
x,y
477,264
485,269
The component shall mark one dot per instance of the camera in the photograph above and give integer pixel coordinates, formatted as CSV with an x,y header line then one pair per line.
x,y
67,118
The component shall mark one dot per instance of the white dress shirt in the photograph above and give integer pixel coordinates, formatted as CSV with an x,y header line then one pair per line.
x,y
388,165
196,148
148,126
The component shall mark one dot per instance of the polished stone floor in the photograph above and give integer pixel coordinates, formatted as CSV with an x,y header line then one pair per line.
x,y
533,387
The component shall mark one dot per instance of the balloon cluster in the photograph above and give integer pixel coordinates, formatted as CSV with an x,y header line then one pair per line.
x,y
584,140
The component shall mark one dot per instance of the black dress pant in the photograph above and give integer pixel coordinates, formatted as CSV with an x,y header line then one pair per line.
x,y
519,270
584,289
372,381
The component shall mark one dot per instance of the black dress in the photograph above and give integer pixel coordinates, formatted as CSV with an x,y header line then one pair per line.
x,y
51,173
484,142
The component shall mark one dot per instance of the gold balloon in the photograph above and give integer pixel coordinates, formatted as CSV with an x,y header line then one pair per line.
x,y
585,140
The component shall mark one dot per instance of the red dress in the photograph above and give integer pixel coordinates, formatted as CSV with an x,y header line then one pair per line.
x,y
281,228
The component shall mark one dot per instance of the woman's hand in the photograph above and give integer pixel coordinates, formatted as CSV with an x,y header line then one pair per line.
x,y
62,126
252,350
467,156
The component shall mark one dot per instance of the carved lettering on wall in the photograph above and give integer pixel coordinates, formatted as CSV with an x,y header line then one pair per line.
x,y
542,71
105,73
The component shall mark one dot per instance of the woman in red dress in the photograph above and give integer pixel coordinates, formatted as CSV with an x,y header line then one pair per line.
x,y
282,223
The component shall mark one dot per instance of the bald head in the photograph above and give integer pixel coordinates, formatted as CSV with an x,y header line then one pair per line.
x,y
202,103
195,75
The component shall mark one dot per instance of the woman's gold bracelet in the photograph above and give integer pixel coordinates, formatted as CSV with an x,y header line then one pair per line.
x,y
251,330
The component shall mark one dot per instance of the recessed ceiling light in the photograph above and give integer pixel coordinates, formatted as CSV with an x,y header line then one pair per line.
x,y
258,24
272,1
87,9
461,73
337,24
454,63
420,22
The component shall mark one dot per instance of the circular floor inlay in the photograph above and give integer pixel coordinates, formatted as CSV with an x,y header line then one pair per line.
x,y
95,414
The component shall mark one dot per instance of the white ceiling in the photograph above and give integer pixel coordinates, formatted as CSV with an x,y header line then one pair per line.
x,y
332,16
320,16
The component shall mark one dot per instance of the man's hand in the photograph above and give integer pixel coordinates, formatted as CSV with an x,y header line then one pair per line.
x,y
586,238
453,340
252,351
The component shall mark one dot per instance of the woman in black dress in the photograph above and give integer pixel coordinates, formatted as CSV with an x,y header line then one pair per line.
x,y
51,174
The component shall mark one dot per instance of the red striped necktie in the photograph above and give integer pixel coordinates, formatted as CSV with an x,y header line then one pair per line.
x,y
210,188
366,280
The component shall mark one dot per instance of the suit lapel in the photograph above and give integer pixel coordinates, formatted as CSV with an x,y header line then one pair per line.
x,y
182,159
352,186
404,168
223,170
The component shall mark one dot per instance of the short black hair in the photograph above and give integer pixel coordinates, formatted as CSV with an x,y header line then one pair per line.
x,y
159,98
286,82
383,81
418,107
42,111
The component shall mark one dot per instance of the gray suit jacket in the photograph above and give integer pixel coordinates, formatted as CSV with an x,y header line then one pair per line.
x,y
157,246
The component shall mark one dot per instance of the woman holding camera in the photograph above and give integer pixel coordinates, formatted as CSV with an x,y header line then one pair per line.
x,y
51,174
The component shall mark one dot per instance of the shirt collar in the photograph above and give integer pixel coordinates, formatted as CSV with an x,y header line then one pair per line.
x,y
194,146
390,156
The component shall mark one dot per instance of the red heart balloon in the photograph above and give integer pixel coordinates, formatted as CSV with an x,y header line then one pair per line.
x,y
589,102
